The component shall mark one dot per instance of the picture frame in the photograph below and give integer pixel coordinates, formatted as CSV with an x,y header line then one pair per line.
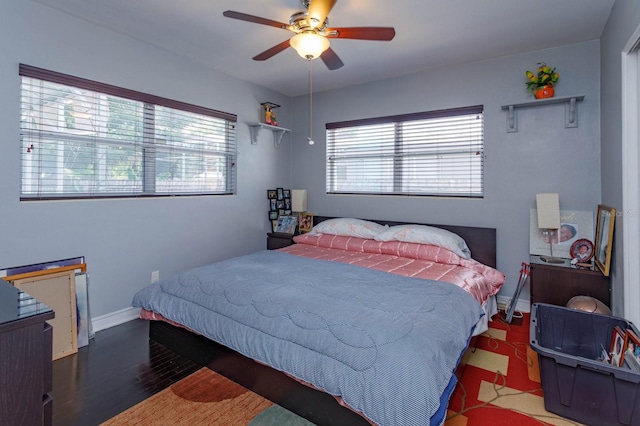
x,y
604,238
280,193
273,215
617,344
631,351
582,250
305,222
287,225
286,193
274,224
273,206
579,221
272,194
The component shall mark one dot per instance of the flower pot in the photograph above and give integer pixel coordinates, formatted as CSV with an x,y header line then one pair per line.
x,y
544,92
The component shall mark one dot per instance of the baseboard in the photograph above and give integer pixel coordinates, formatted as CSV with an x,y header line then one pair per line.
x,y
114,318
521,305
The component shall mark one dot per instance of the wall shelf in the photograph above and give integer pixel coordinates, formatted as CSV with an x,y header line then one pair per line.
x,y
278,132
570,112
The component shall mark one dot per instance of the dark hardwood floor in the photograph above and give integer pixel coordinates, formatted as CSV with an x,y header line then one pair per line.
x,y
118,369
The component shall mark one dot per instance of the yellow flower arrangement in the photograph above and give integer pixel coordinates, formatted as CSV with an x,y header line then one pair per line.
x,y
546,76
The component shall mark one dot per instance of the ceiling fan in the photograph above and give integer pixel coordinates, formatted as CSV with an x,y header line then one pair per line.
x,y
312,32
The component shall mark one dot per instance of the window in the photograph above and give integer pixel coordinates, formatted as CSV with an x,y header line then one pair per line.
x,y
83,139
429,153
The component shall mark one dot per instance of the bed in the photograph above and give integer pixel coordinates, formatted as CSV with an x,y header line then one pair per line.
x,y
359,322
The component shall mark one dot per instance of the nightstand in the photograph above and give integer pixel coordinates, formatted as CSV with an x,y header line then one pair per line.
x,y
277,240
26,370
558,283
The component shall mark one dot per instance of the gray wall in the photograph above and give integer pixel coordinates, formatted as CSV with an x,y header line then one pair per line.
x,y
543,156
623,21
124,240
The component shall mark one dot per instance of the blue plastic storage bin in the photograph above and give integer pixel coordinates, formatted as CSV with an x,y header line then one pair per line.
x,y
575,384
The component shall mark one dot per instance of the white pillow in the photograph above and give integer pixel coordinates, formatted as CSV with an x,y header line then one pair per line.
x,y
348,227
423,234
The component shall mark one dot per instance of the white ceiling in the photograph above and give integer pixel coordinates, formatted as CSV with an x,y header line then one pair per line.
x,y
429,34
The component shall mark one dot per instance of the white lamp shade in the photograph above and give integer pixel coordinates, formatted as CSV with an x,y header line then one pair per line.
x,y
548,206
309,45
299,200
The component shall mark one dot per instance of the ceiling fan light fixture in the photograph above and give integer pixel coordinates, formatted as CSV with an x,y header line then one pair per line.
x,y
309,44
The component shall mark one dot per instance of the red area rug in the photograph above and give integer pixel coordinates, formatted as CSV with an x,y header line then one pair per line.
x,y
500,381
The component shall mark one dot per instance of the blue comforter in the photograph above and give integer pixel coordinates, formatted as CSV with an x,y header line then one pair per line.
x,y
386,344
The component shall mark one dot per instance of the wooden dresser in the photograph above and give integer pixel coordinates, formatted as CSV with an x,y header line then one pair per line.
x,y
25,358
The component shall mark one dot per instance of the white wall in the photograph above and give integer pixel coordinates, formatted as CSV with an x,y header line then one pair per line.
x,y
124,240
543,156
623,21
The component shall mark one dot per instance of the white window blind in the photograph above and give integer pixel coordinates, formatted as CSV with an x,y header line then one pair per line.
x,y
83,139
430,153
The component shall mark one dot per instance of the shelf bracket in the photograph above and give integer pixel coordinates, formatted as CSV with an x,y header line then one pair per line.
x,y
571,118
512,120
277,138
255,132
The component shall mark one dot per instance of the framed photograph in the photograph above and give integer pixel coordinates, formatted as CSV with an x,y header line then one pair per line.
x,y
574,225
273,215
287,203
631,351
272,194
287,212
274,224
287,224
273,204
280,204
305,222
286,193
617,343
582,250
280,193
280,212
604,238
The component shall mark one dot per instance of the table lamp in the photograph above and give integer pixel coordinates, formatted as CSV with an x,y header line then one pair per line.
x,y
299,200
548,206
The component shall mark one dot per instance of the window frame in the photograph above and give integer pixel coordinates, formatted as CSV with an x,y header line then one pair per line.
x,y
396,180
148,162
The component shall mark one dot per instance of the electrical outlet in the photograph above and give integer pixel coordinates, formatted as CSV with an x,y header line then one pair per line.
x,y
155,276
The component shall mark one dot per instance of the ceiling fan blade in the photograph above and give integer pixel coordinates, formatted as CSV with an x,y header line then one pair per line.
x,y
331,60
255,19
363,33
272,52
318,11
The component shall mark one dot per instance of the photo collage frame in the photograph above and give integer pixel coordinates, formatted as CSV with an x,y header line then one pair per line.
x,y
281,216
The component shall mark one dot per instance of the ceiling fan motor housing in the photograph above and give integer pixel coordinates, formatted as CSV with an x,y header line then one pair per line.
x,y
299,22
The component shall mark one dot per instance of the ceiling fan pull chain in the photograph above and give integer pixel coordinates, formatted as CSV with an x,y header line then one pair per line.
x,y
310,138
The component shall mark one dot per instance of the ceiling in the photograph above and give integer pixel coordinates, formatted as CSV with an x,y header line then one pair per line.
x,y
429,34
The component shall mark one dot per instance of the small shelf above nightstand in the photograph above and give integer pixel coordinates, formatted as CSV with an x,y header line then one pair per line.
x,y
278,132
570,112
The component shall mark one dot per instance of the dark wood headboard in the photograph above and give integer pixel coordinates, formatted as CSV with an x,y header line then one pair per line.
x,y
481,241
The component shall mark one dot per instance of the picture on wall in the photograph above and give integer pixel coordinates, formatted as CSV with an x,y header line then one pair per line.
x,y
279,205
574,225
